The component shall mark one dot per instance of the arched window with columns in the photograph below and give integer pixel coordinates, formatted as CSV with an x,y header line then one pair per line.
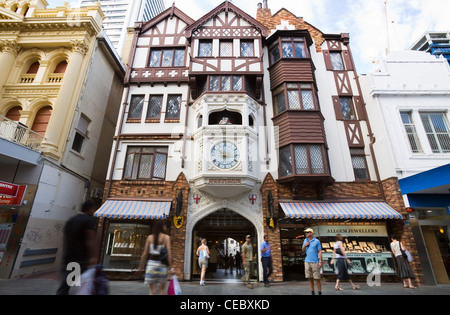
x,y
41,120
14,113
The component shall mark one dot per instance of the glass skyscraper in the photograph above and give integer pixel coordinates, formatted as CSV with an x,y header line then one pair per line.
x,y
121,14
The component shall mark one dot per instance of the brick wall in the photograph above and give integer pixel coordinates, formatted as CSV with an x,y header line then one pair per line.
x,y
270,184
159,189
265,17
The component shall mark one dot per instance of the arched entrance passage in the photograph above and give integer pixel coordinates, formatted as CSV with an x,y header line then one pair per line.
x,y
225,232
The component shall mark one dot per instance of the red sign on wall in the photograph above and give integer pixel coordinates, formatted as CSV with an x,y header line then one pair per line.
x,y
8,189
11,194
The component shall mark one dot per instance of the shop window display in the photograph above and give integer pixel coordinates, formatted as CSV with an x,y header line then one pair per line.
x,y
124,245
367,247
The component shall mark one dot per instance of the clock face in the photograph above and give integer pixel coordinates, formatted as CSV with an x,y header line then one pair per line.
x,y
225,155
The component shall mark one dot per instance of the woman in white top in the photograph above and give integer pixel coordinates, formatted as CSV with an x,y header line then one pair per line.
x,y
405,271
340,257
203,255
156,270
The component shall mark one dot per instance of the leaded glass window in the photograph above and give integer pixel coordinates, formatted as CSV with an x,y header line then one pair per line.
x,y
301,159
359,164
280,103
275,54
226,83
237,83
154,106
294,99
247,49
315,153
155,58
348,112
287,50
179,58
214,83
146,163
159,169
299,97
299,50
136,105
167,58
205,48
308,160
285,161
336,61
226,48
173,107
308,100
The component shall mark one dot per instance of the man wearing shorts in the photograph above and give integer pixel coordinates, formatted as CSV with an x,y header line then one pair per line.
x,y
313,260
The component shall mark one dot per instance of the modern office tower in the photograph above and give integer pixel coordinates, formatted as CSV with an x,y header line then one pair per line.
x,y
435,43
121,14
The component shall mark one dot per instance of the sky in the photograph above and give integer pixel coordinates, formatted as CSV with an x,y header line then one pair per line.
x,y
365,20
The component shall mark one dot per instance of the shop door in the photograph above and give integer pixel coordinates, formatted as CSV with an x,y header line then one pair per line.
x,y
225,232
438,246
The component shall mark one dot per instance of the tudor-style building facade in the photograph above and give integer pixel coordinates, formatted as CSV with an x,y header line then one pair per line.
x,y
232,125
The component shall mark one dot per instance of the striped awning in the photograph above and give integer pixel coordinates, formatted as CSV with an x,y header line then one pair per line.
x,y
339,210
134,209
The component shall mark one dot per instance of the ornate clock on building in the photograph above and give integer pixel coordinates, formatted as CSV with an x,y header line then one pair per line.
x,y
225,155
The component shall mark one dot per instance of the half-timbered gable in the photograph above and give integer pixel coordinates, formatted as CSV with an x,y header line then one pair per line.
x,y
160,50
226,41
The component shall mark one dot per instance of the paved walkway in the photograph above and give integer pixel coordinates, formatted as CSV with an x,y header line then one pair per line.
x,y
47,285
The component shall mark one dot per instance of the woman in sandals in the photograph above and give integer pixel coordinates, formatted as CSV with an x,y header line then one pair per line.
x,y
405,271
341,260
203,255
156,270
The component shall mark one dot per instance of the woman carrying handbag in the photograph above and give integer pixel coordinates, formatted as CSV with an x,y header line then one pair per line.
x,y
341,260
405,271
157,259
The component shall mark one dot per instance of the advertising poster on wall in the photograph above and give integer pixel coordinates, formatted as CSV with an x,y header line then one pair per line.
x,y
11,194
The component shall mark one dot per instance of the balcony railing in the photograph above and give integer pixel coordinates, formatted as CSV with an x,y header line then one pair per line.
x,y
55,78
27,78
20,134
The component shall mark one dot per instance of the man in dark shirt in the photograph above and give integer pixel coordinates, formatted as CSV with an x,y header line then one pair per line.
x,y
79,244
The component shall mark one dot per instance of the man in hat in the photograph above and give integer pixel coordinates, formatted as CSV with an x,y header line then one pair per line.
x,y
313,260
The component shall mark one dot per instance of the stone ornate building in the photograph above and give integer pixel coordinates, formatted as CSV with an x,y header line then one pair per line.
x,y
232,125
60,88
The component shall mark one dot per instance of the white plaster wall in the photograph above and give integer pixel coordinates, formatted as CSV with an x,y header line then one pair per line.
x,y
408,81
58,197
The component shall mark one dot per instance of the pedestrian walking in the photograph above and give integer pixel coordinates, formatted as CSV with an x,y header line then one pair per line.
x,y
341,263
405,271
238,259
203,256
313,260
247,260
231,263
79,244
266,259
157,257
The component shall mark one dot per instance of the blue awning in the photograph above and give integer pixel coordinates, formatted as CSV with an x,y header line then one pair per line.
x,y
134,209
339,210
